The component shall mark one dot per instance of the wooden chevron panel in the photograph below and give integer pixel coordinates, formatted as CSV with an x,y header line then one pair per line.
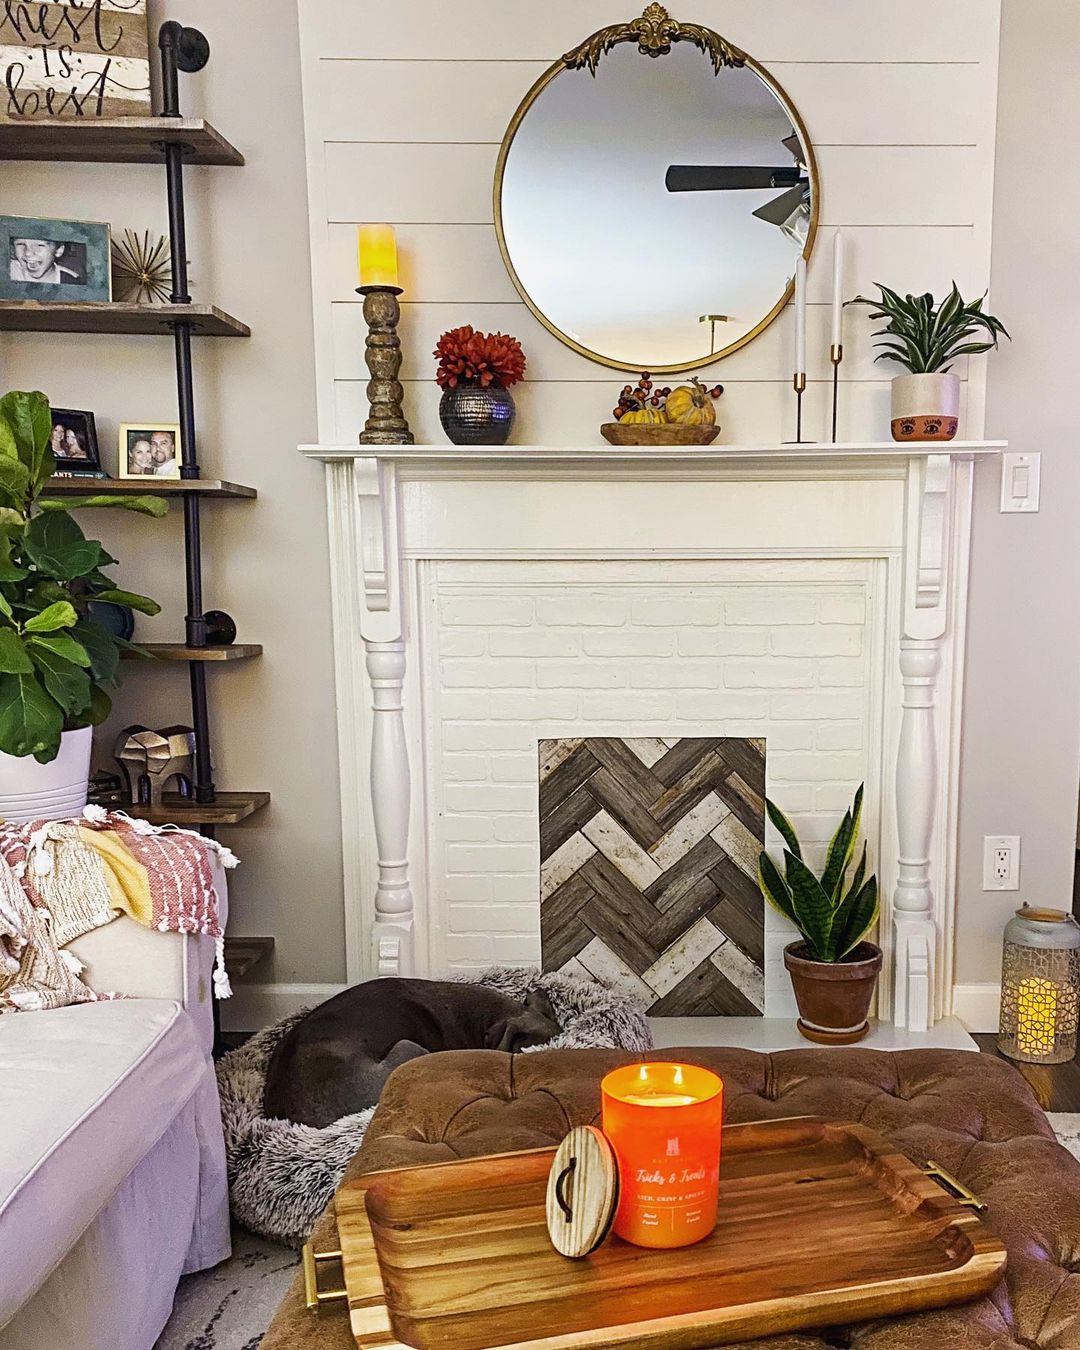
x,y
648,875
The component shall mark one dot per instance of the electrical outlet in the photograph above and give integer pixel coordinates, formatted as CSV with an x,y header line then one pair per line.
x,y
1001,862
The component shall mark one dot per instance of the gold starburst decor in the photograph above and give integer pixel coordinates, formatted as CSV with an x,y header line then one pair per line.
x,y
142,268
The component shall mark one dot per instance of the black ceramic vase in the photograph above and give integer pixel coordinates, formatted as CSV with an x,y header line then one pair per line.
x,y
474,416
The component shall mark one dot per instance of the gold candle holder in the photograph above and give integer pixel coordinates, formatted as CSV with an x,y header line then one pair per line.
x,y
798,383
386,423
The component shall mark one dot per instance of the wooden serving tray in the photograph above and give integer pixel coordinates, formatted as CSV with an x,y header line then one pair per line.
x,y
819,1224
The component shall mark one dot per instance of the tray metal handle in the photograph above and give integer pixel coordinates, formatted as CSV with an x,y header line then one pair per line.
x,y
314,1297
956,1189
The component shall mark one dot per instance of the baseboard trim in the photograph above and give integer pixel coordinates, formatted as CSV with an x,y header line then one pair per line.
x,y
254,1006
978,1006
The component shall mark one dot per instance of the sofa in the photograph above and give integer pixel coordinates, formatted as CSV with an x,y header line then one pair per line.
x,y
112,1169
973,1114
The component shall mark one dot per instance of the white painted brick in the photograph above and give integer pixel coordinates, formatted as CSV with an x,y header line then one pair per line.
x,y
467,890
815,768
486,858
484,736
515,829
535,642
477,797
472,948
674,611
796,797
723,642
820,829
760,607
519,889
774,673
834,797
675,675
486,610
778,735
626,706
580,675
838,736
817,706
514,769
841,673
487,674
630,642
494,919
468,829
850,609
466,768
832,640
570,606
462,642
548,705
718,707
517,950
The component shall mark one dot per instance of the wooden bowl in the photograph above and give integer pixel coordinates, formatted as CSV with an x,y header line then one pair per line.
x,y
658,433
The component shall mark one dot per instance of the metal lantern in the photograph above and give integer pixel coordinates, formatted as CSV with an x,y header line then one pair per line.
x,y
1040,987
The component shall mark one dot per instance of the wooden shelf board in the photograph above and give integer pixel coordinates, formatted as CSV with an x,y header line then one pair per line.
x,y
229,809
116,140
35,316
176,651
143,487
243,953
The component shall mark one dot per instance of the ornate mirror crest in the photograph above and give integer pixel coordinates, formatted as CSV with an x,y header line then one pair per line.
x,y
654,33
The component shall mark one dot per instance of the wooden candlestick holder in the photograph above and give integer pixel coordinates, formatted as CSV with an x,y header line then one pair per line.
x,y
386,424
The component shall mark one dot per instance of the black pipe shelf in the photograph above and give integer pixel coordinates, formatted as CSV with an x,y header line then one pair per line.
x,y
118,140
202,488
177,651
36,316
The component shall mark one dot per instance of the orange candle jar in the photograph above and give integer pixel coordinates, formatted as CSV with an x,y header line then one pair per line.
x,y
664,1123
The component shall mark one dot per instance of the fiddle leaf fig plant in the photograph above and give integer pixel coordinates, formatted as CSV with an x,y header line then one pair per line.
x,y
926,337
832,914
55,661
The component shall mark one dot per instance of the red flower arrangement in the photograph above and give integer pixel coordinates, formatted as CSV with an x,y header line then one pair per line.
x,y
471,358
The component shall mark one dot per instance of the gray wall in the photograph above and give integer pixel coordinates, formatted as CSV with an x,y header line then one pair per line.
x,y
267,560
1022,733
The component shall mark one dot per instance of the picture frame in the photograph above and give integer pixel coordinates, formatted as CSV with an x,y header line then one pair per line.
x,y
66,261
74,443
141,447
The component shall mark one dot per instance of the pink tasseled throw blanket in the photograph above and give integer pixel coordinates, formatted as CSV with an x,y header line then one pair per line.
x,y
60,879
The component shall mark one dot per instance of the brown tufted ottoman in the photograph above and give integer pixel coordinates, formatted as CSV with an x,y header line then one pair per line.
x,y
971,1113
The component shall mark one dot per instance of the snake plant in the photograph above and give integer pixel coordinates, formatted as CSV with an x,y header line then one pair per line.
x,y
832,914
924,336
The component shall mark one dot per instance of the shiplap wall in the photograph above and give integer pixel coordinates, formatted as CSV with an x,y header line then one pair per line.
x,y
405,107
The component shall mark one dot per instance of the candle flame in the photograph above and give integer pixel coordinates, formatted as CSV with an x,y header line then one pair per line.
x,y
643,1074
678,1076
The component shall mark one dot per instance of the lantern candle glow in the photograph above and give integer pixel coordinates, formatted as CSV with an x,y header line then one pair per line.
x,y
664,1123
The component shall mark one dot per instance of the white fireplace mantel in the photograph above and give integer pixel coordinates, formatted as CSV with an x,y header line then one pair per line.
x,y
902,509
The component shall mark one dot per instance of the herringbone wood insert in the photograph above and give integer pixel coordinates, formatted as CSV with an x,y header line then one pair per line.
x,y
648,871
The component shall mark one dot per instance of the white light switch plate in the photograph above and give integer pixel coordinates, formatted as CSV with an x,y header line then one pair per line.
x,y
1020,481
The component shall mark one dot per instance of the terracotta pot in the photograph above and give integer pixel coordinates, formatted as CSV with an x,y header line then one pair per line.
x,y
833,997
925,407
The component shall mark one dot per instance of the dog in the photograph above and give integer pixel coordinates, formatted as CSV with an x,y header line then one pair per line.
x,y
337,1058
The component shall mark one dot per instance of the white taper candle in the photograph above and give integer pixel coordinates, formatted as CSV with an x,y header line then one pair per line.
x,y
838,290
800,317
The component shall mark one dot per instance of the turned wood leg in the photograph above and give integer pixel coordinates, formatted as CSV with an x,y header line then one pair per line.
x,y
392,933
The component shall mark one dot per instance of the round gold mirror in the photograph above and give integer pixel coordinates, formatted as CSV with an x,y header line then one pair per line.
x,y
650,212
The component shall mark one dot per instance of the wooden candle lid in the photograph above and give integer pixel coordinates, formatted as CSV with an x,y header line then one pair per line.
x,y
582,1192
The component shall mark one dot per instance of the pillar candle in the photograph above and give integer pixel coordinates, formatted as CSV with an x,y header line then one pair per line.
x,y
377,249
837,338
1036,1017
800,317
664,1123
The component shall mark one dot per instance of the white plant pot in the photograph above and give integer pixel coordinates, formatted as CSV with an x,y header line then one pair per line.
x,y
54,791
925,407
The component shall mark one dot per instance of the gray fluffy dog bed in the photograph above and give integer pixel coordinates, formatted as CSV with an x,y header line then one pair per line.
x,y
281,1174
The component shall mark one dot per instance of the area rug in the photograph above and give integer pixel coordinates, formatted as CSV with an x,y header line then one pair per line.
x,y
282,1174
1066,1126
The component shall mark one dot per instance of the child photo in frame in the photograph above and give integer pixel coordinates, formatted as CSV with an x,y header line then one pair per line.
x,y
149,450
74,442
67,261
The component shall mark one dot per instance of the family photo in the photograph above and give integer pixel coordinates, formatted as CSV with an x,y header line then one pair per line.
x,y
73,441
61,260
150,451
42,262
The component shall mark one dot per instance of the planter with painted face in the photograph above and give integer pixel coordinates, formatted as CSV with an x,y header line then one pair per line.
x,y
925,407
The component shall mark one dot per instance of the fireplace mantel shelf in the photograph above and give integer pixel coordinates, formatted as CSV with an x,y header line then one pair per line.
x,y
715,455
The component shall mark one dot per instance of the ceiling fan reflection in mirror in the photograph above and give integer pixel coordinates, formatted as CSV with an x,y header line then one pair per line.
x,y
790,211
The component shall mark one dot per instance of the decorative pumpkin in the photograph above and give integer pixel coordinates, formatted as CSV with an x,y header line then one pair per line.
x,y
691,404
643,417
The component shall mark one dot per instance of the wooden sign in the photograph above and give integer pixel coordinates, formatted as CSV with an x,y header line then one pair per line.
x,y
74,58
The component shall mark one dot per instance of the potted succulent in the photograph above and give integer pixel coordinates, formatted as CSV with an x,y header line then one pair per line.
x,y
926,338
833,968
475,373
55,660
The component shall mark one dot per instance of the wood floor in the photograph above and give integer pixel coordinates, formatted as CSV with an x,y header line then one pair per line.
x,y
1057,1086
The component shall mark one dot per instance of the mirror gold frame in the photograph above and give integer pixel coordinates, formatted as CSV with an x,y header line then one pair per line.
x,y
654,32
